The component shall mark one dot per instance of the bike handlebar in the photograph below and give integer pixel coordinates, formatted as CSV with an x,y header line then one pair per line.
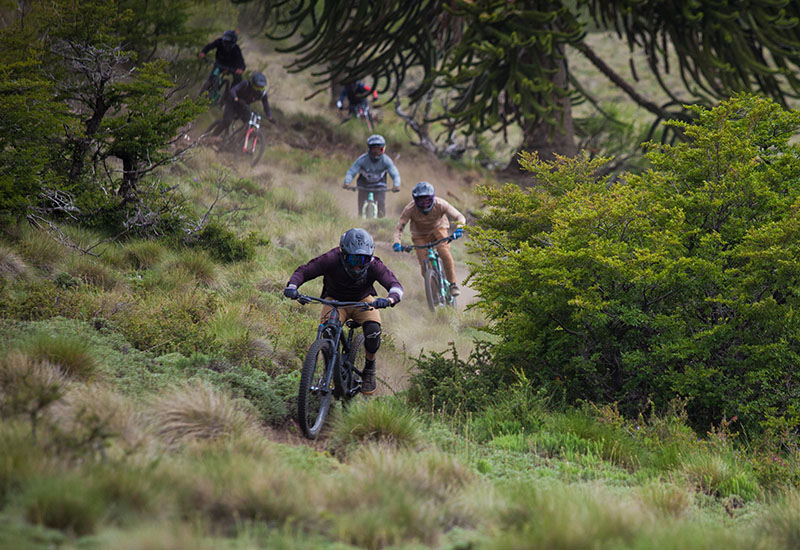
x,y
303,299
410,247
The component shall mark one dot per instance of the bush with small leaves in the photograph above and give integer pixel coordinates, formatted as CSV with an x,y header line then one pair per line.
x,y
679,281
224,245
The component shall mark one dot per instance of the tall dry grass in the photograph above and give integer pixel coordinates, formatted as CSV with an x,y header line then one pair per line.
x,y
197,410
12,267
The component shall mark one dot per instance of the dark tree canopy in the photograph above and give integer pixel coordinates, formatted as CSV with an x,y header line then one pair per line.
x,y
504,62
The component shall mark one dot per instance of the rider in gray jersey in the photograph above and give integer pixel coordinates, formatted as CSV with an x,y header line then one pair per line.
x,y
372,168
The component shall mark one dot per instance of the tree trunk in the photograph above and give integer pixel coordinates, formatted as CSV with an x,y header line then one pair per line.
x,y
130,176
545,138
82,145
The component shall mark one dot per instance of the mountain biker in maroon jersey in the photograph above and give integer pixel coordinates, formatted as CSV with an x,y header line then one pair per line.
x,y
348,275
228,57
356,94
372,168
429,215
238,100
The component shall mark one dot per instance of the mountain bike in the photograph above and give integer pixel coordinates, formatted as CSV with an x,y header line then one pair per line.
x,y
246,140
437,287
219,85
361,111
332,367
370,207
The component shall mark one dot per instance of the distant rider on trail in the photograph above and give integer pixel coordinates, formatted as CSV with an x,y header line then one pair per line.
x,y
348,275
356,94
372,168
428,215
238,100
228,57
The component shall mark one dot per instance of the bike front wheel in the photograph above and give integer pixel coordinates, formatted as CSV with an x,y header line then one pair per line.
x,y
254,147
221,92
433,289
346,378
314,399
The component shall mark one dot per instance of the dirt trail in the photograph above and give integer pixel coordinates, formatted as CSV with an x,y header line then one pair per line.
x,y
411,327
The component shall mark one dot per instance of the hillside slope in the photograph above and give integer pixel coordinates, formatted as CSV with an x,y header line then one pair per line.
x,y
148,392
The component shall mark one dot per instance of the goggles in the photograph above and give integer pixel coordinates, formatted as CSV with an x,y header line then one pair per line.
x,y
357,260
376,149
423,202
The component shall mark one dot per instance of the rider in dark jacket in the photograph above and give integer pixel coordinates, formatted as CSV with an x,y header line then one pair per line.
x,y
228,56
356,94
349,274
238,100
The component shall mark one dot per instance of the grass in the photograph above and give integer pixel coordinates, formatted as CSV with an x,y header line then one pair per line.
x,y
380,420
143,254
176,374
11,265
196,410
69,503
70,353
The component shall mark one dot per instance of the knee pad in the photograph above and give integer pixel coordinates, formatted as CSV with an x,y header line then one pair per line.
x,y
372,336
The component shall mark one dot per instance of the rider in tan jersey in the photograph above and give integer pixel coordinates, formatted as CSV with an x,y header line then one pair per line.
x,y
430,221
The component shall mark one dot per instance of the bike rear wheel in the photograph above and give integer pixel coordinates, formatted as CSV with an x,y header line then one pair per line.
x,y
433,289
314,401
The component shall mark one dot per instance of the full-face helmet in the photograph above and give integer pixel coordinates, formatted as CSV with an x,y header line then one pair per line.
x,y
258,81
423,194
377,145
229,38
355,251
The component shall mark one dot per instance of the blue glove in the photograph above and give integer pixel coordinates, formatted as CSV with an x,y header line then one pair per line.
x,y
458,233
397,247
291,293
381,303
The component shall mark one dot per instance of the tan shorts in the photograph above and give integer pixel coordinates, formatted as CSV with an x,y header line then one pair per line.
x,y
353,313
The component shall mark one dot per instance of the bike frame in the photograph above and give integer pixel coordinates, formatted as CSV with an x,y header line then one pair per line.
x,y
332,330
433,263
370,207
253,126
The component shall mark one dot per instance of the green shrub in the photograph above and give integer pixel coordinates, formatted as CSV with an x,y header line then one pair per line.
x,y
680,281
224,245
269,398
170,323
450,384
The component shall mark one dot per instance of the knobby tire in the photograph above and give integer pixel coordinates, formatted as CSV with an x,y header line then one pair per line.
x,y
312,409
222,91
433,291
256,147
